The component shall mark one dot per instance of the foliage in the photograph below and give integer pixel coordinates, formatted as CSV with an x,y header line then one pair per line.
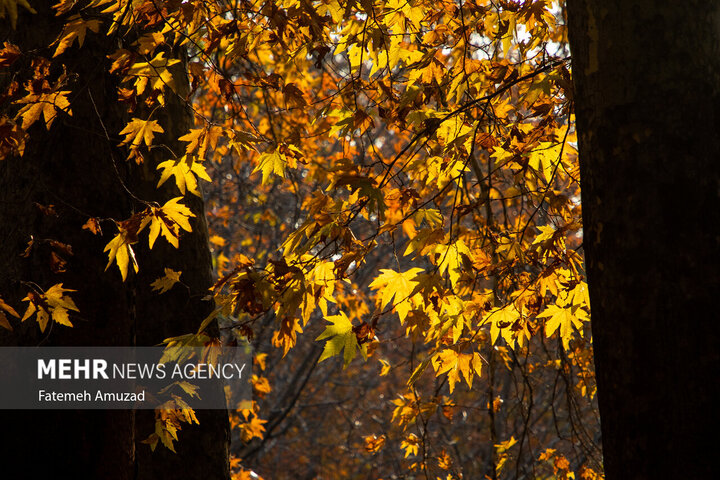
x,y
397,178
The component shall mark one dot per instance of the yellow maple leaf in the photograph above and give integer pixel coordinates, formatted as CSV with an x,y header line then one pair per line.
x,y
546,233
411,445
76,27
46,104
253,428
340,337
120,251
579,295
168,220
194,137
201,139
155,72
398,286
565,319
454,364
286,336
53,304
500,321
148,42
11,8
450,259
139,131
271,163
544,158
165,283
185,171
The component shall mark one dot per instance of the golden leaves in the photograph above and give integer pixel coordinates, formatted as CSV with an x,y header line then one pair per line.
x,y
137,132
450,259
154,73
252,428
169,418
168,220
185,170
201,139
120,251
93,225
565,319
455,364
271,163
286,336
400,150
166,282
373,443
52,304
46,105
340,338
411,445
75,28
544,158
8,54
398,286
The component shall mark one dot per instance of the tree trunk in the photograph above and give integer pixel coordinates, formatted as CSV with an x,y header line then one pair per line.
x,y
647,97
81,172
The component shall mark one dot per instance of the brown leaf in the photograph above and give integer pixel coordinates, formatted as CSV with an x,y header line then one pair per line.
x,y
93,225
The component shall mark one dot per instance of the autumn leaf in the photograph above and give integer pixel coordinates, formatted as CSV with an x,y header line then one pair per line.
x,y
46,105
93,225
546,233
8,54
166,282
450,259
202,139
455,364
120,251
252,429
272,163
544,158
563,319
52,304
398,286
411,445
185,170
286,336
500,321
147,43
169,220
340,338
156,73
76,27
139,131
374,444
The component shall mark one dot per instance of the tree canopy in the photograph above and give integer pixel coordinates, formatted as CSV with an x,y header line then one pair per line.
x,y
393,203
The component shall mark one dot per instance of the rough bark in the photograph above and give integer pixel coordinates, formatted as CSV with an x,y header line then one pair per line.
x,y
78,169
647,97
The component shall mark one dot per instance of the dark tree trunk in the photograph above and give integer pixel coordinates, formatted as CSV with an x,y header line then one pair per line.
x,y
81,172
647,97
